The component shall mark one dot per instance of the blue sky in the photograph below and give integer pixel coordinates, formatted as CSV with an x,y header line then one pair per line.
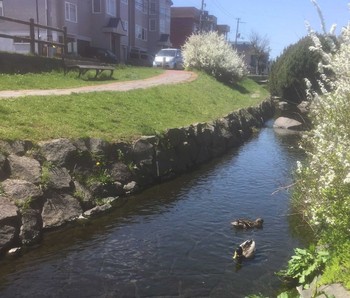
x,y
282,21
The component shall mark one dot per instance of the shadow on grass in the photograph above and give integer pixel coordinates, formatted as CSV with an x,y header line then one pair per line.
x,y
239,88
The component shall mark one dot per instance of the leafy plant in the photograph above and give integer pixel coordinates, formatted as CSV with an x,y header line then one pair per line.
x,y
45,173
305,264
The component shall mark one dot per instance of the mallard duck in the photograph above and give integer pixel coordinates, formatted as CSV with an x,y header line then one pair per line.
x,y
248,224
246,250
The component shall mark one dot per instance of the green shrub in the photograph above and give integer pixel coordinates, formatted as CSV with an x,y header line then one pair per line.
x,y
288,72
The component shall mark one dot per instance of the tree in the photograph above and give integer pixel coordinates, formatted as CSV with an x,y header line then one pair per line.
x,y
289,71
260,51
210,52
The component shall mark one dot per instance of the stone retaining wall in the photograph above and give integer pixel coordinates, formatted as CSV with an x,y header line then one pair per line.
x,y
50,183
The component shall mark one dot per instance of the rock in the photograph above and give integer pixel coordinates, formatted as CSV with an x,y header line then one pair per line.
x,y
121,173
176,136
84,196
8,209
3,163
16,147
20,191
9,223
304,107
97,210
59,178
8,235
30,232
14,252
284,106
24,168
97,146
131,187
59,151
287,123
143,150
60,209
334,290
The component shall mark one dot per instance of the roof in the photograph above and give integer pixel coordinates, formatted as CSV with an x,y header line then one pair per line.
x,y
185,12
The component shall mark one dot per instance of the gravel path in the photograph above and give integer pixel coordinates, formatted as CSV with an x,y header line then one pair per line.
x,y
168,77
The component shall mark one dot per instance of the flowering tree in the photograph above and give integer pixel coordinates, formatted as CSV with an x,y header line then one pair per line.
x,y
211,53
325,182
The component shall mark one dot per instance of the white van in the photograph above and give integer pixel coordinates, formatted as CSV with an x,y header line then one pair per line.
x,y
169,58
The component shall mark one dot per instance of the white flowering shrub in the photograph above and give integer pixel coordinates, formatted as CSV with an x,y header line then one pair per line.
x,y
324,186
211,53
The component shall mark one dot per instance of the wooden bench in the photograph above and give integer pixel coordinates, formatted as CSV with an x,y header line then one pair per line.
x,y
84,64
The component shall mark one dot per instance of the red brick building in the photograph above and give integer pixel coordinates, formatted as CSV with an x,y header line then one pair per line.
x,y
188,20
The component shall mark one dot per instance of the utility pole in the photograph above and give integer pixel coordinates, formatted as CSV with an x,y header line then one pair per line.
x,y
237,30
201,17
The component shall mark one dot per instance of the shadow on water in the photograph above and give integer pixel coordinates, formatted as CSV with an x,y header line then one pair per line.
x,y
175,239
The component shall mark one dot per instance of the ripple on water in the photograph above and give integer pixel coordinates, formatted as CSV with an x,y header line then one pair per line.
x,y
175,240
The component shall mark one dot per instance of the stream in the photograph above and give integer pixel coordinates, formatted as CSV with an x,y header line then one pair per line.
x,y
175,239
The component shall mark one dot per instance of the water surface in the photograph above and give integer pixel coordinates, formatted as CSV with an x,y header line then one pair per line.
x,y
175,239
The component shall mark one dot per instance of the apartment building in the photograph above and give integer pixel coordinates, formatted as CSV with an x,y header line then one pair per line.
x,y
188,20
121,26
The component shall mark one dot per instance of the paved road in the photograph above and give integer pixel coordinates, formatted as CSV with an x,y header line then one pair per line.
x,y
168,77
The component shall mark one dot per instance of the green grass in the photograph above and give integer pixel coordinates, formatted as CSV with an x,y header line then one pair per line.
x,y
124,115
57,79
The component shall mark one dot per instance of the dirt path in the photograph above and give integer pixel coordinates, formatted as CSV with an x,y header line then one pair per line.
x,y
168,77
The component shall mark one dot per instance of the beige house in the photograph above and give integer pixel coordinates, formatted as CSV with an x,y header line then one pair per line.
x,y
122,26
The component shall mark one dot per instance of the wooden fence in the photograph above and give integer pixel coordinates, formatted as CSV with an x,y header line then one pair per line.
x,y
32,40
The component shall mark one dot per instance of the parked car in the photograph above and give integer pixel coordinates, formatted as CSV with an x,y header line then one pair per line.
x,y
169,58
140,58
103,55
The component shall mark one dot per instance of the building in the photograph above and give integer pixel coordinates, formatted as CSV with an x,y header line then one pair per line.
x,y
256,64
188,20
122,26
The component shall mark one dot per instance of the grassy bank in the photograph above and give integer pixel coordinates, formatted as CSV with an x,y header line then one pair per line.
x,y
57,79
124,115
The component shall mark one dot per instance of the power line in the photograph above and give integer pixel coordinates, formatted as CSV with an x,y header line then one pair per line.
x,y
222,9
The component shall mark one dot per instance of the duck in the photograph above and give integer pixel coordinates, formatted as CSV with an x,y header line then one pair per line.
x,y
246,250
247,223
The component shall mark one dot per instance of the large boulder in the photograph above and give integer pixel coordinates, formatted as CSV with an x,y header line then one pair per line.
x,y
288,123
9,223
60,209
24,168
120,172
3,163
59,178
30,232
20,191
60,152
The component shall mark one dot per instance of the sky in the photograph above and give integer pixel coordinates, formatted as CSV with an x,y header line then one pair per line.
x,y
282,22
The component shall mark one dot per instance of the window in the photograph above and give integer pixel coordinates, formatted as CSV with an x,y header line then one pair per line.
x,y
71,12
96,6
152,25
152,7
140,5
1,8
21,39
125,25
111,7
141,33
